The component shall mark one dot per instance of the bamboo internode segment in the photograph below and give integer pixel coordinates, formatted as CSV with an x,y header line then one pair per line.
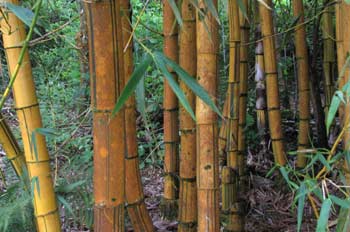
x,y
109,134
171,120
243,93
328,54
136,207
303,82
38,160
340,52
223,134
273,102
187,59
207,131
13,152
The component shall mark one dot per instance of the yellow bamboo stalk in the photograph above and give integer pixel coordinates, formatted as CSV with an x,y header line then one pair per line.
x,y
303,82
340,53
328,54
136,207
273,103
171,122
187,60
109,134
13,151
243,88
27,107
207,131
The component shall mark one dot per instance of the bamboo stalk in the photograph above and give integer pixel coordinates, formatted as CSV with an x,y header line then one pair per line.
x,y
109,134
328,54
234,221
136,206
27,107
13,151
207,131
243,92
303,82
187,60
169,205
273,103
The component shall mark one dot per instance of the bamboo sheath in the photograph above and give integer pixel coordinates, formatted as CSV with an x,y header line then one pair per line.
x,y
207,131
171,120
328,54
243,88
109,134
340,53
27,107
303,82
187,59
273,103
13,152
136,207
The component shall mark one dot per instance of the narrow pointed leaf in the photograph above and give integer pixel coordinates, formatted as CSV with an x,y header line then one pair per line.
x,y
135,78
212,9
322,222
301,203
176,12
333,108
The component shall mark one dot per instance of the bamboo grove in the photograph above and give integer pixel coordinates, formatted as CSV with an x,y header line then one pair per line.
x,y
206,177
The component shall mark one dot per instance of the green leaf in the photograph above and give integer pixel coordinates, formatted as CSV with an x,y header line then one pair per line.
x,y
333,108
324,162
301,202
212,9
176,12
70,187
342,220
24,14
322,222
66,205
135,78
191,82
242,8
174,85
140,98
35,184
341,202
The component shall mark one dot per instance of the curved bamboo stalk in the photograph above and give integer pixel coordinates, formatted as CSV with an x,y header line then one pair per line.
x,y
109,134
303,82
13,151
207,131
187,60
136,206
328,54
232,207
171,122
27,107
273,103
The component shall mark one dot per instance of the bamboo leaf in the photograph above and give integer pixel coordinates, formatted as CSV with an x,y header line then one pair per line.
x,y
342,220
341,202
324,162
210,5
35,184
176,12
322,222
66,205
264,4
135,78
174,85
70,187
301,202
242,8
140,98
333,108
191,83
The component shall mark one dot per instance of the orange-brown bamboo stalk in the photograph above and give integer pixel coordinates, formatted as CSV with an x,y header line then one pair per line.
x,y
187,60
207,131
12,150
328,54
136,207
171,122
303,82
107,80
273,103
27,107
231,207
